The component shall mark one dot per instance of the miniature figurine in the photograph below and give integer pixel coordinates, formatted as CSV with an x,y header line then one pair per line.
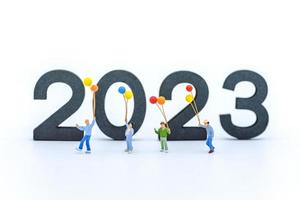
x,y
210,135
163,133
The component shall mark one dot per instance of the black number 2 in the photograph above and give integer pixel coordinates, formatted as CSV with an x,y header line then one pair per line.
x,y
177,122
49,129
253,103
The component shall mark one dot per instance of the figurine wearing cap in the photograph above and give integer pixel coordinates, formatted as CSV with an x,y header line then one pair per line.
x,y
210,135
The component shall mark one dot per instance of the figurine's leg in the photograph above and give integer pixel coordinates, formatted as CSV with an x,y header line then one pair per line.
x,y
88,143
161,144
130,144
166,145
127,144
82,142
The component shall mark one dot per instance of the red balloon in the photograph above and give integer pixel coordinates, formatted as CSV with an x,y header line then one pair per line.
x,y
189,88
153,100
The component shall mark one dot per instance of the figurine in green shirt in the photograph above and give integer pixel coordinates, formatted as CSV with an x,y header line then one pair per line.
x,y
163,133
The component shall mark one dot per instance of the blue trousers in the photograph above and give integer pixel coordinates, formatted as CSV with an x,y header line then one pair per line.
x,y
85,139
209,143
129,143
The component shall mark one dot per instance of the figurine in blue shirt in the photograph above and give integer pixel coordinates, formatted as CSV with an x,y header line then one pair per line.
x,y
87,135
128,134
210,135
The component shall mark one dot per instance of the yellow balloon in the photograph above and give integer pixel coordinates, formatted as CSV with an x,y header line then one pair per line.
x,y
128,94
189,98
87,81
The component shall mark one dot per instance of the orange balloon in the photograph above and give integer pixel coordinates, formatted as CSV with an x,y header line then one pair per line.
x,y
94,88
161,100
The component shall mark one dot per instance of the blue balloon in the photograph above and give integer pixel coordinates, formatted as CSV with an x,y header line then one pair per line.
x,y
122,90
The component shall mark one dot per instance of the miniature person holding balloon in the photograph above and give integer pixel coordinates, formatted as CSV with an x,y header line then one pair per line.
x,y
164,129
87,135
127,95
128,134
163,133
209,130
210,135
88,126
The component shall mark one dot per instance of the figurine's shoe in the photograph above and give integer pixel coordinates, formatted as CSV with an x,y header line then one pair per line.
x,y
129,152
126,150
161,150
211,151
78,150
166,151
88,151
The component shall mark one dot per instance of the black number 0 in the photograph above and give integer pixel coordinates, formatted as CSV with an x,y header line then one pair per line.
x,y
139,112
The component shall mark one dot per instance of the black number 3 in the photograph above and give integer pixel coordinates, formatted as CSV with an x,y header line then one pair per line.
x,y
253,103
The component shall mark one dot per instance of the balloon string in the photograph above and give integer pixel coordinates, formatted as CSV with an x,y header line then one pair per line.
x,y
94,104
165,116
126,107
160,109
162,112
198,118
194,102
195,108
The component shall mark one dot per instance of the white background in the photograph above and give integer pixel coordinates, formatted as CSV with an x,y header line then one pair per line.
x,y
150,39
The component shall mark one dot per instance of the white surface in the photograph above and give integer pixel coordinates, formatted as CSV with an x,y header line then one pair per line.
x,y
257,169
150,39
